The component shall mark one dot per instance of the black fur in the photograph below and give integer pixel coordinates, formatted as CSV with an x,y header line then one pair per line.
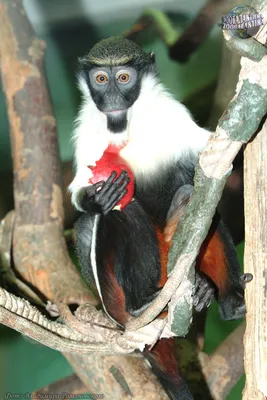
x,y
231,303
115,51
83,235
126,240
129,238
156,193
175,390
110,56
117,124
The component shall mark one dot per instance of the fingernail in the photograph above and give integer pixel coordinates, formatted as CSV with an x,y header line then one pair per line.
x,y
195,302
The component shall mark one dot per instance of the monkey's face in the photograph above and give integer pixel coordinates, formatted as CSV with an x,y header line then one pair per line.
x,y
114,90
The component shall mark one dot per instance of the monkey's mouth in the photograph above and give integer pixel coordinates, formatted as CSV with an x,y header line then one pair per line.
x,y
115,112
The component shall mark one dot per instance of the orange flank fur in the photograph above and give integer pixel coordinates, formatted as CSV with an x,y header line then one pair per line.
x,y
163,250
113,296
212,261
164,353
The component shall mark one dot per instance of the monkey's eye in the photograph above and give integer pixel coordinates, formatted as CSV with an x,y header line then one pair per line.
x,y
101,78
123,77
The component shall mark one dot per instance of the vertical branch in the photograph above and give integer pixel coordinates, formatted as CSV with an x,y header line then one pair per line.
x,y
39,250
255,189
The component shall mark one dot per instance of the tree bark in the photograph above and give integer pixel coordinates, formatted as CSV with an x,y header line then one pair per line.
x,y
39,250
255,191
255,185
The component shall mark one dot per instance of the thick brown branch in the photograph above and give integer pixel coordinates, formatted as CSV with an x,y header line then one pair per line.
x,y
136,373
255,190
39,250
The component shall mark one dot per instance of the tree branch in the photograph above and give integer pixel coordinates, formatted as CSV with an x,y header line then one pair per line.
x,y
255,190
37,176
38,195
39,249
236,126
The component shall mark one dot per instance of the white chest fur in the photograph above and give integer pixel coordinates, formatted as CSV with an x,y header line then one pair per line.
x,y
159,130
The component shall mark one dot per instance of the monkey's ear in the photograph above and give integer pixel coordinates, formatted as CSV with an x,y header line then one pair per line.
x,y
153,57
84,63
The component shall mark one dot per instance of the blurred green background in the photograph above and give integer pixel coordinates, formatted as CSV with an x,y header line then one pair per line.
x,y
26,366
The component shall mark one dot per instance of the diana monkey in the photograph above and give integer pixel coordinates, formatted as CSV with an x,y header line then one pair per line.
x,y
124,252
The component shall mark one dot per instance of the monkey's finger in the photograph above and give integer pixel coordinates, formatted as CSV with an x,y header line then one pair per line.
x,y
197,283
123,185
115,198
120,189
98,186
199,294
117,184
91,190
202,286
206,300
111,195
108,182
123,175
113,202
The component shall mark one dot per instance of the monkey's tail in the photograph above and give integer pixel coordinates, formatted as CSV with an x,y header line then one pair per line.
x,y
165,366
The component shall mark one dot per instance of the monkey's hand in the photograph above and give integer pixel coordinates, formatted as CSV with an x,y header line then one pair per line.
x,y
103,196
204,292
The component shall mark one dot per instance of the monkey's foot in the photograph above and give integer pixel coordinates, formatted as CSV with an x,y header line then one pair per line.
x,y
204,292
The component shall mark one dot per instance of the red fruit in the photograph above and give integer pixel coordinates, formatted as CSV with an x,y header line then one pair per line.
x,y
111,161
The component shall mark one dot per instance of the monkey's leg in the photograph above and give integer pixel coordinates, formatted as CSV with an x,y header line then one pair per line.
x,y
127,245
217,264
218,260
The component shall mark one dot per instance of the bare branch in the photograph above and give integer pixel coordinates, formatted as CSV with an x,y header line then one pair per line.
x,y
255,190
39,249
37,175
236,126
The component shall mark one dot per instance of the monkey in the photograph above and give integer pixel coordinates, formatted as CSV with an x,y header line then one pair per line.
x,y
124,253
